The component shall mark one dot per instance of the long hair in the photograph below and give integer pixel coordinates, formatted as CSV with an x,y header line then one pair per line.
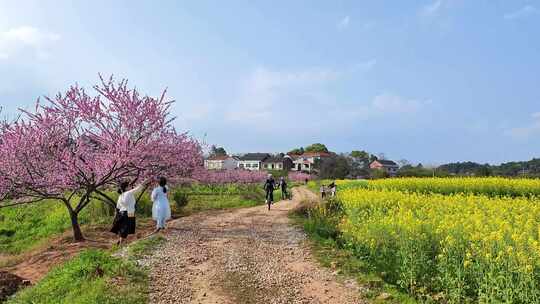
x,y
163,183
123,187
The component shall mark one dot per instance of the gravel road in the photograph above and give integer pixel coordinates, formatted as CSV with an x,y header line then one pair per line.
x,y
247,255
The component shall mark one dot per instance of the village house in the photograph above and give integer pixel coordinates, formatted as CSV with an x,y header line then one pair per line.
x,y
277,163
305,162
252,161
220,162
387,166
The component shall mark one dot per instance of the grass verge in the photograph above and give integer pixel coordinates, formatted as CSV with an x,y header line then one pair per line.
x,y
144,247
94,276
25,227
320,224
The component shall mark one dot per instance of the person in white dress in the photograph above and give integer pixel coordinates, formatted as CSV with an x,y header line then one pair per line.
x,y
161,210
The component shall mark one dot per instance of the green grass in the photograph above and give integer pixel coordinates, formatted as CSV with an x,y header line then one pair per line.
x,y
144,247
25,227
314,185
320,224
215,197
93,276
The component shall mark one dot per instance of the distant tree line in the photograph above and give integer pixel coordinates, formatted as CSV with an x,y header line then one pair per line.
x,y
345,165
356,165
529,168
317,147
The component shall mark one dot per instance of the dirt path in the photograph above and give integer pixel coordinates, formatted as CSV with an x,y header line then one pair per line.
x,y
243,256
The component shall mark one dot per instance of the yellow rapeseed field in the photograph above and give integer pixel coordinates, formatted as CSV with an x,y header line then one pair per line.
x,y
464,247
493,186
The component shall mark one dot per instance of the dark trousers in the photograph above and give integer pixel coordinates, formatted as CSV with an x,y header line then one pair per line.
x,y
270,195
284,193
269,198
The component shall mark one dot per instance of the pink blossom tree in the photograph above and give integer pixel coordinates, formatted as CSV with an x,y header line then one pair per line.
x,y
76,147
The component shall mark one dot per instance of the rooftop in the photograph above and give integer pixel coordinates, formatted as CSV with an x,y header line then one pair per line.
x,y
274,159
219,157
386,162
311,154
255,156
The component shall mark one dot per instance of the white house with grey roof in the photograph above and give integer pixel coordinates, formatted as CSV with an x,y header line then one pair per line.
x,y
252,161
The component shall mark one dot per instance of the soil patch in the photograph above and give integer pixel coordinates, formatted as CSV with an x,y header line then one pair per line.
x,y
10,284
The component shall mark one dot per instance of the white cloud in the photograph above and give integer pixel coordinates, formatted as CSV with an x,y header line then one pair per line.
x,y
262,93
263,78
23,38
525,11
388,103
344,23
432,9
382,106
528,131
267,96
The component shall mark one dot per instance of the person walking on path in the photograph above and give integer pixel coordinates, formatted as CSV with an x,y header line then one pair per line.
x,y
322,189
283,186
161,209
269,187
124,221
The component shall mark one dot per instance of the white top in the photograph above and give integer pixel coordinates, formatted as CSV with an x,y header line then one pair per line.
x,y
161,210
158,195
126,200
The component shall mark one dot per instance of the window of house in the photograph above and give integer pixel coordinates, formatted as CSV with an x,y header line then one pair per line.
x,y
241,165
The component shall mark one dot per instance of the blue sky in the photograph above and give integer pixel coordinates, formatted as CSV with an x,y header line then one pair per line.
x,y
429,81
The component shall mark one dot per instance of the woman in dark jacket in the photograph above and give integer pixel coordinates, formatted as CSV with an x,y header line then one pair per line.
x,y
269,187
283,186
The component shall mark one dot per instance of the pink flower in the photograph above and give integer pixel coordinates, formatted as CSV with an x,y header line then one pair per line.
x,y
299,176
228,176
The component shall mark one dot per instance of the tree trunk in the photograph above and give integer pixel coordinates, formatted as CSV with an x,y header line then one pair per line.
x,y
77,233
